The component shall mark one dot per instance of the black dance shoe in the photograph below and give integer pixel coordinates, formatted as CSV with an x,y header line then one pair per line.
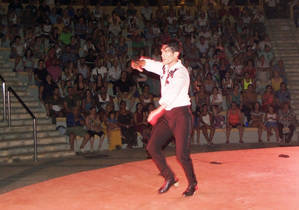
x,y
167,184
190,190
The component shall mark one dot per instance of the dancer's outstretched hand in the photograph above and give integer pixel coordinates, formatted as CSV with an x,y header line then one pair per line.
x,y
138,65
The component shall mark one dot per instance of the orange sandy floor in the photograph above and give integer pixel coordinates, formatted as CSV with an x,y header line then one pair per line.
x,y
244,179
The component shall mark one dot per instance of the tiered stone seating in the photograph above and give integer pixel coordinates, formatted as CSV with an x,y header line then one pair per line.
x,y
16,142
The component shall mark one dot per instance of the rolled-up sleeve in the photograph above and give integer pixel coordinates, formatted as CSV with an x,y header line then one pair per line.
x,y
153,66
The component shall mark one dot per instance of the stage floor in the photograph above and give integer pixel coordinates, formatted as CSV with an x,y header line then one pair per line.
x,y
243,179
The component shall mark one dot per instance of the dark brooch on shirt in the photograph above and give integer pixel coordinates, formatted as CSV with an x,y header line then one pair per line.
x,y
170,74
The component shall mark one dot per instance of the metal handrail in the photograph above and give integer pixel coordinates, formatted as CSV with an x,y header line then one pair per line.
x,y
10,90
4,96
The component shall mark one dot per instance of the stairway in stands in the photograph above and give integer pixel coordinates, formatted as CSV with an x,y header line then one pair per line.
x,y
16,142
285,42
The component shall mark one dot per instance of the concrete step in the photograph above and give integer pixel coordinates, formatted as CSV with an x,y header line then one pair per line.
x,y
27,135
15,104
41,121
26,98
24,116
291,67
286,53
289,44
282,35
284,48
288,59
21,110
288,62
293,78
284,41
6,152
292,74
6,73
19,92
5,64
27,128
44,155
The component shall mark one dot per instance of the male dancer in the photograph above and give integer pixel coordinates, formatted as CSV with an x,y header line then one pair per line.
x,y
173,116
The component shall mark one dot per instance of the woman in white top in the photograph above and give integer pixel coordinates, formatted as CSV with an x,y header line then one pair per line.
x,y
271,123
216,97
206,123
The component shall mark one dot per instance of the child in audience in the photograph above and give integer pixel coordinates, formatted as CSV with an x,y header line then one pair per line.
x,y
271,123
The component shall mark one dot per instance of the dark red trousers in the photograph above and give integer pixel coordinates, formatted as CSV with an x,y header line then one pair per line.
x,y
178,123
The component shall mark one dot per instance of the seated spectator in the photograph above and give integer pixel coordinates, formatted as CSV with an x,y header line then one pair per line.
x,y
99,69
219,120
83,68
72,100
249,99
114,71
46,91
287,122
126,123
103,98
209,84
75,123
207,123
38,48
80,28
65,36
88,102
276,81
146,97
268,98
237,68
55,70
141,124
271,122
114,27
268,55
202,45
257,120
80,85
93,126
56,104
129,99
40,73
295,5
282,96
247,80
216,98
262,75
111,121
227,84
196,125
281,69
250,69
89,51
201,97
223,68
236,96
68,56
124,84
234,120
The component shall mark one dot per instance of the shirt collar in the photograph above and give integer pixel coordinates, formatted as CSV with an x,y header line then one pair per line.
x,y
176,65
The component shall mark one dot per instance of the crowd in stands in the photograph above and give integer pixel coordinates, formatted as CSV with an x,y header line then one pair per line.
x,y
80,60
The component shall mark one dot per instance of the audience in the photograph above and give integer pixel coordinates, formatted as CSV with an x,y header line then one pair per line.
x,y
80,56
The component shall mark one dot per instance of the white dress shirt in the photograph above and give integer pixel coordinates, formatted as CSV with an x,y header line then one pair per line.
x,y
174,83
